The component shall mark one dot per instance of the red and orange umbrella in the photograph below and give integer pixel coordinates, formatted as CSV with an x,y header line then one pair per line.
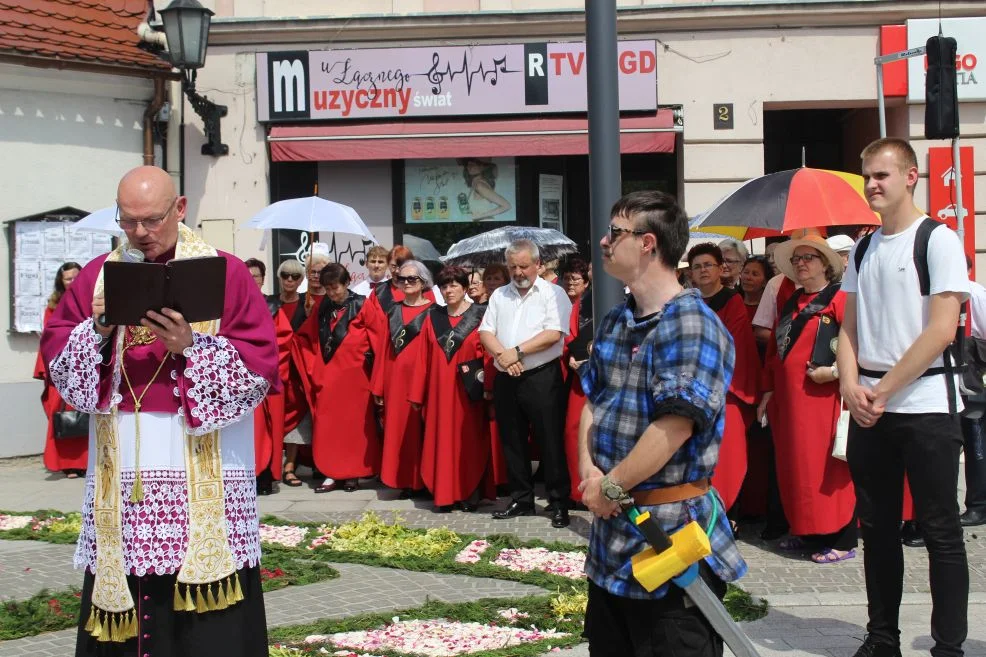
x,y
782,202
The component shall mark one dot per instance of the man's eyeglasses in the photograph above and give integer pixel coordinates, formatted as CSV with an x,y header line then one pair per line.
x,y
148,224
615,232
699,266
807,257
285,276
408,279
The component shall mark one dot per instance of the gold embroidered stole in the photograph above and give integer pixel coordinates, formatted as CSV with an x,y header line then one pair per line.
x,y
208,565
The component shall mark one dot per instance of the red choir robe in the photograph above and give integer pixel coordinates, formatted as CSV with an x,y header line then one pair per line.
x,y
580,320
498,462
742,397
393,372
334,352
456,448
63,453
816,489
268,419
753,497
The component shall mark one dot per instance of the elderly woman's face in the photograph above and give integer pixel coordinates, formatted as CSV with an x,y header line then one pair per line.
x,y
476,287
453,293
409,281
753,279
809,264
732,263
290,281
574,284
337,292
493,280
314,272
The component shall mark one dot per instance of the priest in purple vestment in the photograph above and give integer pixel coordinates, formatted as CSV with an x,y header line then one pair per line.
x,y
170,534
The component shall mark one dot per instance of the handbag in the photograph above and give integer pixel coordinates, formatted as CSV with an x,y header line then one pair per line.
x,y
826,342
841,433
69,424
472,375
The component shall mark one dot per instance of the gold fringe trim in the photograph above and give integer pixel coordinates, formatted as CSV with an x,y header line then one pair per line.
x,y
108,627
203,599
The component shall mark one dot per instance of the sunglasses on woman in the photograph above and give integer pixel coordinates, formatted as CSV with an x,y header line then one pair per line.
x,y
408,279
285,276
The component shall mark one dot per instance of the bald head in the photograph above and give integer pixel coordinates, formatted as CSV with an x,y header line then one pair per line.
x,y
150,210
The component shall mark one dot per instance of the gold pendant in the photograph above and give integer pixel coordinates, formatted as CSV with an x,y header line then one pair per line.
x,y
140,335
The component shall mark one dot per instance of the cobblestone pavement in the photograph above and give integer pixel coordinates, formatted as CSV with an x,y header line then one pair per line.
x,y
815,609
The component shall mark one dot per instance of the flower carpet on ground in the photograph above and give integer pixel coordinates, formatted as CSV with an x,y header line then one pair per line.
x,y
14,522
287,535
436,638
565,564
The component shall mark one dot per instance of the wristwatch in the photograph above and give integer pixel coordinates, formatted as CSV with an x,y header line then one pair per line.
x,y
611,490
520,353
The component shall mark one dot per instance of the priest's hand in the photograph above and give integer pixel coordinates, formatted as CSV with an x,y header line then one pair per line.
x,y
99,312
170,328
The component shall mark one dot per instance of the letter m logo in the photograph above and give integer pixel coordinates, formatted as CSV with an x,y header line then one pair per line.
x,y
288,86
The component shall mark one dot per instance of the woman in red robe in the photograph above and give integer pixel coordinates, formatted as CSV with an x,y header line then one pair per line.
x,y
495,276
334,352
456,449
393,373
575,281
705,261
68,455
816,489
268,419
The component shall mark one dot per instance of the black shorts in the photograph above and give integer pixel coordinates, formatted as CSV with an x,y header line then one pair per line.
x,y
626,627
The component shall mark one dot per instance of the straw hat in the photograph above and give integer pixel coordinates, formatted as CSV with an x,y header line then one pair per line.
x,y
808,237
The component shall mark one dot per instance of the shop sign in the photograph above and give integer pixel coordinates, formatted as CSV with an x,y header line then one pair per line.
x,y
969,72
455,191
941,191
528,78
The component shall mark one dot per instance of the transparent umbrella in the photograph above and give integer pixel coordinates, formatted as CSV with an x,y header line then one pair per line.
x,y
486,248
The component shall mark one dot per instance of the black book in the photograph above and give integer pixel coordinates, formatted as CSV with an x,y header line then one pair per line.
x,y
195,287
826,340
579,347
472,375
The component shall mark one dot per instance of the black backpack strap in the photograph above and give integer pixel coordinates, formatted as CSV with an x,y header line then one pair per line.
x,y
864,243
921,240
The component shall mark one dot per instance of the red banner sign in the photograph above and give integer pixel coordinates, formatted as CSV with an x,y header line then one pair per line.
x,y
942,198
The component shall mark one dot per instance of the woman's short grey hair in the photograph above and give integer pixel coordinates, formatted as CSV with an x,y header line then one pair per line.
x,y
735,245
311,259
523,245
422,272
291,266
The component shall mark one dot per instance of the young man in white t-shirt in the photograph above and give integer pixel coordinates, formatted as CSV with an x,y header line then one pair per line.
x,y
902,417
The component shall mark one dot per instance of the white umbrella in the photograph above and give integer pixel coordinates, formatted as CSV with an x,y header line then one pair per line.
x,y
311,214
100,221
422,249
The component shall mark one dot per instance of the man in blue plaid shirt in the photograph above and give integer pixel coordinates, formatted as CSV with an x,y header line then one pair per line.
x,y
655,385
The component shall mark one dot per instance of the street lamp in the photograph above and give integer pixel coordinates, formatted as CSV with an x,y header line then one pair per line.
x,y
186,24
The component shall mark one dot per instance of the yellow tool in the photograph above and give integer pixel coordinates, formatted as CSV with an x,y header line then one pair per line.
x,y
688,546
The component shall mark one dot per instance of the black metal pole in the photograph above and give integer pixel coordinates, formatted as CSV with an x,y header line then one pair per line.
x,y
604,143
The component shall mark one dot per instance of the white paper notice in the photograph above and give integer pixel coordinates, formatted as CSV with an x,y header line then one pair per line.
x,y
79,246
28,313
27,278
29,238
49,269
55,246
100,244
550,200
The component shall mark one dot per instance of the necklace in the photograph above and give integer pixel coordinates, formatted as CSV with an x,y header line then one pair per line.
x,y
137,494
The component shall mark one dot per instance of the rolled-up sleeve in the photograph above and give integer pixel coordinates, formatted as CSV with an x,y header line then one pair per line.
x,y
695,373
557,306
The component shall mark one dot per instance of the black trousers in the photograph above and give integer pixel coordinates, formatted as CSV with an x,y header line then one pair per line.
x,y
533,404
975,464
239,631
625,627
926,447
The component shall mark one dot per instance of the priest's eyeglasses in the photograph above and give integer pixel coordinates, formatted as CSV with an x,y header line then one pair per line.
x,y
148,224
807,257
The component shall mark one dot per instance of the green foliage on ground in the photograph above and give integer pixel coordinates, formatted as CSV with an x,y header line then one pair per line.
x,y
50,526
44,612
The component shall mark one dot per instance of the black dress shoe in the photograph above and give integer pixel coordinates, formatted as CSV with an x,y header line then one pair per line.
x,y
550,507
873,649
910,535
443,508
973,518
513,510
468,507
559,518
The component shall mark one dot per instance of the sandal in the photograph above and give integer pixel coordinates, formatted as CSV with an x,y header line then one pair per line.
x,y
793,544
832,555
294,482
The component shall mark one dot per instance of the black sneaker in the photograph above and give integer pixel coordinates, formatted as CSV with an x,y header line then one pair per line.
x,y
873,649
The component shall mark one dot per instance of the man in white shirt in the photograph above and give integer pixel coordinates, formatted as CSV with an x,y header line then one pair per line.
x,y
524,330
904,402
377,261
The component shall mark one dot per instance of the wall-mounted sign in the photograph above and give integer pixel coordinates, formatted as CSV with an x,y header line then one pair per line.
x,y
968,34
942,197
467,189
373,83
722,116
